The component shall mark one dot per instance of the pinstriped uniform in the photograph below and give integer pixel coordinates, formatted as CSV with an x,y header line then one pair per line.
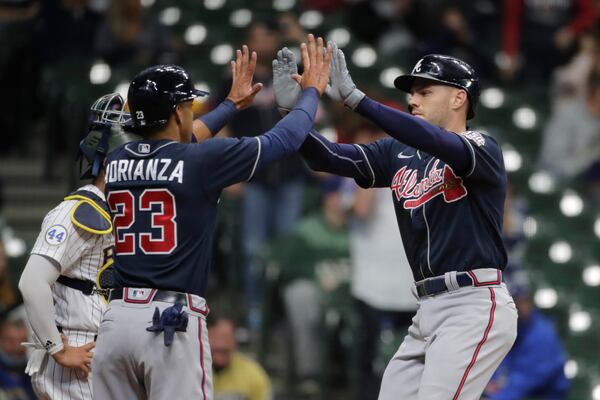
x,y
80,255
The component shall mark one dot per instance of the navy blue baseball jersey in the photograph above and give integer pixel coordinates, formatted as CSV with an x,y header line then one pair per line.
x,y
449,221
164,196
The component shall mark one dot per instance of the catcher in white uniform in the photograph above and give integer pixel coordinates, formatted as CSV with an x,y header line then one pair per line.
x,y
60,288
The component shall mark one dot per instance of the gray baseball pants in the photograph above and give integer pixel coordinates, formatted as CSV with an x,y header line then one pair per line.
x,y
455,343
132,363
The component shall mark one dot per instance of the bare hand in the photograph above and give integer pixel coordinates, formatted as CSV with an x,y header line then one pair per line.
x,y
79,358
242,71
316,65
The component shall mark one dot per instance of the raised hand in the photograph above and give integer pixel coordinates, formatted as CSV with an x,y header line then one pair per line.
x,y
242,71
316,64
286,89
79,358
341,81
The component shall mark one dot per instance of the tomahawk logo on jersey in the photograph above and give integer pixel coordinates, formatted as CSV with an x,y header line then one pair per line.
x,y
163,196
439,210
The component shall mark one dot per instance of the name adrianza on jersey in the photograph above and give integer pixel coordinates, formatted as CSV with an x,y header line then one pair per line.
x,y
157,169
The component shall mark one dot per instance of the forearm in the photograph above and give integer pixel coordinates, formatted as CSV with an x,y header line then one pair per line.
x,y
216,119
341,159
288,134
35,286
418,133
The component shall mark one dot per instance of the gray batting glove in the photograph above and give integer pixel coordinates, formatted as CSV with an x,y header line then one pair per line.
x,y
287,90
341,81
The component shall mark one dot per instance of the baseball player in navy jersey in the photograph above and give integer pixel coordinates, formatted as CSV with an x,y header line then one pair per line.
x,y
448,186
163,193
58,283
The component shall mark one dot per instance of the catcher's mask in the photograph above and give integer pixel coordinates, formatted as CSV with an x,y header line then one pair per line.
x,y
105,133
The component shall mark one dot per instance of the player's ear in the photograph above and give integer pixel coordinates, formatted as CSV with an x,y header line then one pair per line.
x,y
176,113
459,98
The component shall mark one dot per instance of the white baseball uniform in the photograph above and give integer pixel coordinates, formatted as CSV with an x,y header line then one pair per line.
x,y
80,254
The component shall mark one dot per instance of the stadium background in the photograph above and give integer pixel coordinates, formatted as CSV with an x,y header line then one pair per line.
x,y
52,67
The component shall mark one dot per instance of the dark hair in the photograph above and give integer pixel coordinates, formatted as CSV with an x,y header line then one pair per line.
x,y
214,318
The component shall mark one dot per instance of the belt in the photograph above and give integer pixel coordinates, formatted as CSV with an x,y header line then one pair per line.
x,y
146,295
85,286
437,285
168,296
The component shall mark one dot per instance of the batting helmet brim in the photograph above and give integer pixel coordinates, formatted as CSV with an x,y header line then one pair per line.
x,y
405,83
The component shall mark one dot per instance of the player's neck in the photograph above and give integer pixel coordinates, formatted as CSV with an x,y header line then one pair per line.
x,y
169,133
457,125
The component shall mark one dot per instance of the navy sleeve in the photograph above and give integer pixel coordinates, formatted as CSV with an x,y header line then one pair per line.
x,y
216,119
225,161
379,156
288,134
366,164
487,163
418,133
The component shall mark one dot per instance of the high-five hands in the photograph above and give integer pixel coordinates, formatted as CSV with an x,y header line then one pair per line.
x,y
342,84
242,71
285,76
316,65
286,89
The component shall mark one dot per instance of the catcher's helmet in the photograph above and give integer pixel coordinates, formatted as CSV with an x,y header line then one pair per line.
x,y
105,133
447,70
154,93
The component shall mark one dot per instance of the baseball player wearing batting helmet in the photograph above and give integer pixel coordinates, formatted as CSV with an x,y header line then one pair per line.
x,y
59,288
448,186
163,192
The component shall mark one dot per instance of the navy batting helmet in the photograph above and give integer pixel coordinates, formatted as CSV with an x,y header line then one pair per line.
x,y
105,133
155,92
447,70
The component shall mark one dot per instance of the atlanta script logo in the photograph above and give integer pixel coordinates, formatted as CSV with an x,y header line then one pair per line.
x,y
439,181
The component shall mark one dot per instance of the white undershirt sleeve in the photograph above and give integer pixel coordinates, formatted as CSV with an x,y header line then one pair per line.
x,y
35,285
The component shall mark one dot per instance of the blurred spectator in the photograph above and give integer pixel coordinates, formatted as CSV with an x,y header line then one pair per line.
x,y
15,384
66,30
381,279
273,200
540,35
391,25
534,367
235,376
570,81
129,35
455,34
409,29
571,140
314,268
8,295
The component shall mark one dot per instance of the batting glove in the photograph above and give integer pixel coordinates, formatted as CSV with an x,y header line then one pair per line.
x,y
341,81
287,90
